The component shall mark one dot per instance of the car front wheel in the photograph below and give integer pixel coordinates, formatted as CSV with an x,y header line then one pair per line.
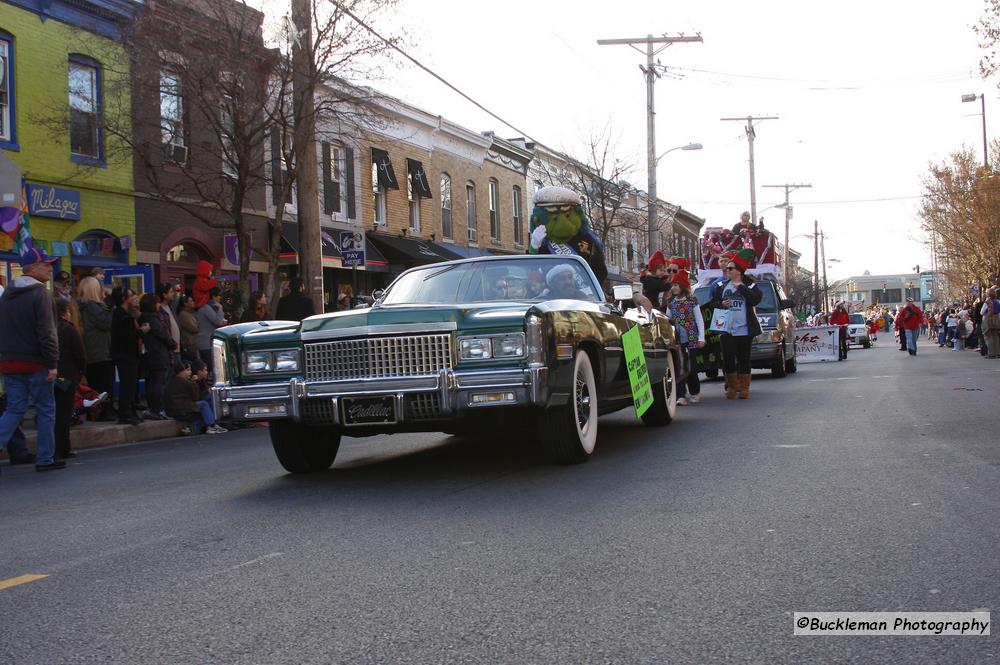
x,y
304,449
664,406
569,434
778,368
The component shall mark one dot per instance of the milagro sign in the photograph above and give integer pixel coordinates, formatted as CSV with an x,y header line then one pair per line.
x,y
47,201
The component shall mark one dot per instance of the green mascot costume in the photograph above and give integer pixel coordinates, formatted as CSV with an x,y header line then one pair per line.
x,y
560,226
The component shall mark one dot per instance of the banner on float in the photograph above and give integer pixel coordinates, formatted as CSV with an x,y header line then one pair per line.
x,y
817,345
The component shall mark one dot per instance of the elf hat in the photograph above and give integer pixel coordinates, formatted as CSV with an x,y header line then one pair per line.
x,y
681,278
679,261
742,258
656,260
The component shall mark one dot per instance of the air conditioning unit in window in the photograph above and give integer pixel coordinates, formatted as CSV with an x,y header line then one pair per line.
x,y
176,153
472,235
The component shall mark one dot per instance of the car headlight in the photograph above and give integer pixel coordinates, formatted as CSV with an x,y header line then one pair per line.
x,y
475,348
282,360
511,346
506,346
257,362
286,361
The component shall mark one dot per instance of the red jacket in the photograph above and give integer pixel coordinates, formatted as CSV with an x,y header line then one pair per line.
x,y
839,318
203,284
909,318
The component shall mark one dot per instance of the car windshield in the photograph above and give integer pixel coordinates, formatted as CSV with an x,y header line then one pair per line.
x,y
857,318
522,279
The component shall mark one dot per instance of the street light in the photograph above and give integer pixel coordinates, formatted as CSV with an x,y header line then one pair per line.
x,y
689,146
651,222
982,99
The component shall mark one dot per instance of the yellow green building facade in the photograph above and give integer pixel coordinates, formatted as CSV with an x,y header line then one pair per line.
x,y
63,69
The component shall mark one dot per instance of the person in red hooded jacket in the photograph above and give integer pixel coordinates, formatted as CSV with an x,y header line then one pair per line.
x,y
203,283
908,321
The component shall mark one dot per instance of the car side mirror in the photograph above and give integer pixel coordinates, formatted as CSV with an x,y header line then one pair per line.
x,y
622,292
377,294
787,303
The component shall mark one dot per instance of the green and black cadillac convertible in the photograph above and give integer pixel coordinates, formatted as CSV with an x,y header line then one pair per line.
x,y
525,344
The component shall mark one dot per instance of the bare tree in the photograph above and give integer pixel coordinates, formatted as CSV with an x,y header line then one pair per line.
x,y
961,217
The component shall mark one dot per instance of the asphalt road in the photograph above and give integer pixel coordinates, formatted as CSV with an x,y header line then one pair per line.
x,y
866,485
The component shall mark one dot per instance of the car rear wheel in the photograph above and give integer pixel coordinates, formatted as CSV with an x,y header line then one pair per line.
x,y
664,406
302,448
866,344
712,373
569,433
778,368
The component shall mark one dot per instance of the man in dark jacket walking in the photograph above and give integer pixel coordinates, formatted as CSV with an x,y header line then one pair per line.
x,y
296,305
29,354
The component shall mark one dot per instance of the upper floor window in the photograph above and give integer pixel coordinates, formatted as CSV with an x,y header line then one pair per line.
x,y
378,196
494,209
470,211
446,231
6,88
413,197
85,132
171,109
518,216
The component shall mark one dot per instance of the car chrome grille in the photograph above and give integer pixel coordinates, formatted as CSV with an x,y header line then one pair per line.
x,y
423,406
318,410
378,358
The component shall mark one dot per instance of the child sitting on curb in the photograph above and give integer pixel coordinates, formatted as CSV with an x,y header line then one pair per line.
x,y
184,401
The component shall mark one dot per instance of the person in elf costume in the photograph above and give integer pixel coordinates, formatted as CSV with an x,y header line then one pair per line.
x,y
560,226
738,292
683,308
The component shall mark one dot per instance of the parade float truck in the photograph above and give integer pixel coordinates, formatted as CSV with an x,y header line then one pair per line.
x,y
490,345
774,348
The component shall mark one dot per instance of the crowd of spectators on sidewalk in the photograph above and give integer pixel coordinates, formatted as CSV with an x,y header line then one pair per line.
x,y
109,354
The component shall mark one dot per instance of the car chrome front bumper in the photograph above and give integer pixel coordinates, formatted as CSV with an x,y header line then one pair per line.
x,y
453,392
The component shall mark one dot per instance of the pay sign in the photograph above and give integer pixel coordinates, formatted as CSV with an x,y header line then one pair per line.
x,y
352,248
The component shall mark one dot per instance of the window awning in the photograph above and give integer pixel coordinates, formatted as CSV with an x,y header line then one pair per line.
x,y
415,170
466,252
410,251
386,176
290,245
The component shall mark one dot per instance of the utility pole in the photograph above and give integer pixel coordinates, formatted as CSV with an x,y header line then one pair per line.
x,y
789,188
651,74
304,105
822,254
751,135
816,264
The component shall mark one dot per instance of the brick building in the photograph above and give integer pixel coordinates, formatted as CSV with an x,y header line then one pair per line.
x,y
186,168
79,179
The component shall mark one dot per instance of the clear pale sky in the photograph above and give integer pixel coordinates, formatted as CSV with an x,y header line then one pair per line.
x,y
867,94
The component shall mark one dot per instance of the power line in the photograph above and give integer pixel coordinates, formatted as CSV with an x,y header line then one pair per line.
x,y
437,76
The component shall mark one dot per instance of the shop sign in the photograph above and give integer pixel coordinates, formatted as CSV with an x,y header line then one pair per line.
x,y
352,248
46,201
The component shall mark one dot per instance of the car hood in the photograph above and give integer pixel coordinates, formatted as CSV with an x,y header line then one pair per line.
x,y
483,317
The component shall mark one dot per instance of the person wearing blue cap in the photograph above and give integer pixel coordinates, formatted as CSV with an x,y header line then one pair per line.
x,y
29,353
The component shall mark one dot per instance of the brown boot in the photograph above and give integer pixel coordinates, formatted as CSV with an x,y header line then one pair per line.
x,y
745,386
732,385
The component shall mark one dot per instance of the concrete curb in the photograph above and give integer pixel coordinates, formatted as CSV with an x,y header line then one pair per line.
x,y
100,435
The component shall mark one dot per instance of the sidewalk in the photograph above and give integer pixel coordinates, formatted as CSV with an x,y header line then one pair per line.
x,y
101,434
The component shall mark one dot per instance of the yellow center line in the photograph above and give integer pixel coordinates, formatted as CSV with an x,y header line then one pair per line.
x,y
23,579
